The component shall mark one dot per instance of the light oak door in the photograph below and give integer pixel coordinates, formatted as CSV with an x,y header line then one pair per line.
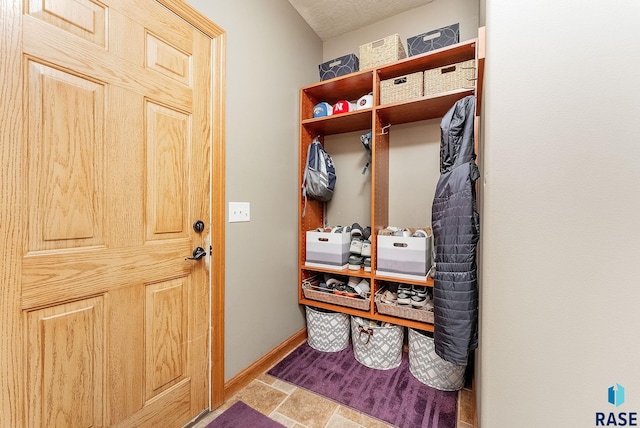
x,y
105,322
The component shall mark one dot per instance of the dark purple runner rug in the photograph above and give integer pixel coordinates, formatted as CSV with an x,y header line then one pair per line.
x,y
241,415
394,396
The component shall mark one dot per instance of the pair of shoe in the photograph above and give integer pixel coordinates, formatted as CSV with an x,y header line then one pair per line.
x,y
355,287
406,232
337,286
360,248
356,262
417,296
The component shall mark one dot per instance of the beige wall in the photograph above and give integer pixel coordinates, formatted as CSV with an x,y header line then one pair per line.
x,y
411,23
560,237
415,148
559,295
271,53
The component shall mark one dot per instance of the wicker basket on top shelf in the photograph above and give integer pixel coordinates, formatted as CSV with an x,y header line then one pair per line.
x,y
449,78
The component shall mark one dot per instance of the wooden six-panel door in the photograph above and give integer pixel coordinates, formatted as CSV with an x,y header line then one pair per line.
x,y
109,173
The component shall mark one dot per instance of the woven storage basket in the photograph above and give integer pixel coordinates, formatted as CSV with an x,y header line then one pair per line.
x,y
401,88
314,292
327,331
426,366
377,347
455,76
380,52
402,311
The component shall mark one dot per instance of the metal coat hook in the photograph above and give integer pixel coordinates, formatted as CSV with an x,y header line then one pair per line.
x,y
473,79
385,129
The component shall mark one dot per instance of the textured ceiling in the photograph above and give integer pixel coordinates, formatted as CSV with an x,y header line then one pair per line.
x,y
330,18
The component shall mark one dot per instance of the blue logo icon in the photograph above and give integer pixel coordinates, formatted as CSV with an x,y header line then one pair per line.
x,y
616,395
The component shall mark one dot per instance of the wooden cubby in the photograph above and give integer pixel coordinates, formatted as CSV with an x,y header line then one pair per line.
x,y
377,119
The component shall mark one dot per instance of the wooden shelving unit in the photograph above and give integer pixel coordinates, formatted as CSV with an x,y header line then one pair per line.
x,y
352,87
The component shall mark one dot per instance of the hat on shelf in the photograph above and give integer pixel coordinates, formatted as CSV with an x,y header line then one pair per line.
x,y
342,106
322,109
365,101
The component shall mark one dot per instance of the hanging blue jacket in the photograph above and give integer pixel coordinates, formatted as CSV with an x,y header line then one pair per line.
x,y
456,230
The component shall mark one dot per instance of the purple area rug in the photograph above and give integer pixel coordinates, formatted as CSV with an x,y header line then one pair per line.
x,y
242,416
393,396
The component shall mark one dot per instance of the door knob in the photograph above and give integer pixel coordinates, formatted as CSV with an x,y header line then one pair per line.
x,y
198,226
197,254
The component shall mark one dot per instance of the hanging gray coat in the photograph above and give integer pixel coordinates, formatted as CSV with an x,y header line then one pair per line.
x,y
456,230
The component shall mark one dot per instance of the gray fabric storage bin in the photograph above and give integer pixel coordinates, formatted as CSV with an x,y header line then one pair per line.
x,y
377,347
340,66
434,39
426,366
327,331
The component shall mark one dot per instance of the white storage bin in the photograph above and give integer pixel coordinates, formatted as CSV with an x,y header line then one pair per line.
x,y
328,250
426,366
404,257
376,347
327,331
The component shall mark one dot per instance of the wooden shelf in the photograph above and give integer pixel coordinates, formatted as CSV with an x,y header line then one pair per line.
x,y
368,315
427,283
434,59
420,108
339,123
343,272
350,88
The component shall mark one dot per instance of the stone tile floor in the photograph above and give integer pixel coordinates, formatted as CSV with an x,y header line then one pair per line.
x,y
297,408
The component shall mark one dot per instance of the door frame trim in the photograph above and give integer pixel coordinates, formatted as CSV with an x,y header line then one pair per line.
x,y
218,156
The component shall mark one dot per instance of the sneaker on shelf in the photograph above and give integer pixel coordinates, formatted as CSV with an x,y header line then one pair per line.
x,y
332,283
350,291
418,296
356,231
419,233
352,286
367,264
366,233
340,289
389,297
355,262
356,246
363,288
404,294
365,248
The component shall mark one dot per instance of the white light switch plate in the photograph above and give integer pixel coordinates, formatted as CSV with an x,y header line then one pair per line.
x,y
239,211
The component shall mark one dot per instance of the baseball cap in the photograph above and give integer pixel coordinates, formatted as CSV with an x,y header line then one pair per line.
x,y
322,109
342,106
365,101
